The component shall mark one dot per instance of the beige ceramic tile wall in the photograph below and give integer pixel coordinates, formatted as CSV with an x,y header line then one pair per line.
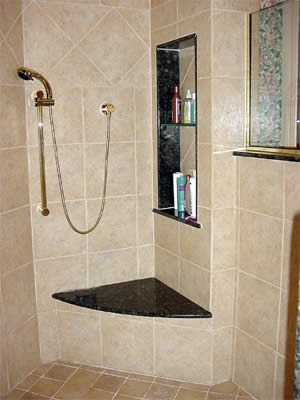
x,y
268,262
267,207
182,253
227,133
19,343
91,52
201,263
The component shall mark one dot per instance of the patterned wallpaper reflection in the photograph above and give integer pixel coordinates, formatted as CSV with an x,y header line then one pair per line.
x,y
270,76
269,3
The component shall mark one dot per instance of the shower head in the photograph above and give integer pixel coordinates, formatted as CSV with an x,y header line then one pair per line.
x,y
28,74
24,74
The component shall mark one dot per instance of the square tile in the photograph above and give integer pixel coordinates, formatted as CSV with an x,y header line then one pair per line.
x,y
28,382
186,394
135,388
78,386
46,387
40,371
95,394
60,372
109,383
224,388
15,394
161,392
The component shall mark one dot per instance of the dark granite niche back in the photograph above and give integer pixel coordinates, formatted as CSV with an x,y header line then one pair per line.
x,y
169,138
167,79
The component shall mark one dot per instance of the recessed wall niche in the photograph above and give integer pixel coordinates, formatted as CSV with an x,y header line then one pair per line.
x,y
177,142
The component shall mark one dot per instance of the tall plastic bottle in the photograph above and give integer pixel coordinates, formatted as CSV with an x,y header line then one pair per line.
x,y
176,107
175,176
193,109
180,193
187,114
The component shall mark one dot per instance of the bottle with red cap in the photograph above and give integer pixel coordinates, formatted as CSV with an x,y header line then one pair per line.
x,y
176,107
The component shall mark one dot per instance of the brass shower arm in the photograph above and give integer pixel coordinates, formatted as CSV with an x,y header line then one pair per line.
x,y
28,74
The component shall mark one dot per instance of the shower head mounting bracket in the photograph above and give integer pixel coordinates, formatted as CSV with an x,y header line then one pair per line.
x,y
40,101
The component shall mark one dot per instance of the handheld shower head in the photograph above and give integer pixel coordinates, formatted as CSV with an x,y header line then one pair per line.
x,y
28,74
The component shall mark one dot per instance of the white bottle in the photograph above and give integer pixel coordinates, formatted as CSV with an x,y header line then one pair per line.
x,y
193,191
187,109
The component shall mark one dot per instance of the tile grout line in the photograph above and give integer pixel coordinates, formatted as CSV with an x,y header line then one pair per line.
x,y
154,345
117,392
136,188
256,340
177,392
85,183
249,211
77,45
237,206
84,367
131,28
131,68
236,243
30,189
101,337
281,279
67,380
83,253
259,279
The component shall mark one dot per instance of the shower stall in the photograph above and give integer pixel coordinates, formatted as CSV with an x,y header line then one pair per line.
x,y
238,266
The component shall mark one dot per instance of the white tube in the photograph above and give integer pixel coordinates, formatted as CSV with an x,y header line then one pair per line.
x,y
193,196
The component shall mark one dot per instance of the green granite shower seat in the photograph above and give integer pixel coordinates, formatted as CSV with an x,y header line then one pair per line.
x,y
147,297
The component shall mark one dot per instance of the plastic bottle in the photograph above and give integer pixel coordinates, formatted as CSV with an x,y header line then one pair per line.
x,y
193,109
187,115
176,107
188,200
193,192
180,193
175,176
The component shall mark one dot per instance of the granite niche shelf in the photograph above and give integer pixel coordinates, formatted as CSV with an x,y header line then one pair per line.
x,y
170,124
147,297
171,213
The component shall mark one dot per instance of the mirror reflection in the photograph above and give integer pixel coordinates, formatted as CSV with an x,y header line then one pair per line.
x,y
274,74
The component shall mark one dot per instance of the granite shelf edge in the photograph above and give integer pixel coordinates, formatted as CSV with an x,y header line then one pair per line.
x,y
167,214
268,156
146,297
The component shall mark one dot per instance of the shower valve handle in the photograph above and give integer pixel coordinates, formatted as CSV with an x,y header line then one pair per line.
x,y
107,108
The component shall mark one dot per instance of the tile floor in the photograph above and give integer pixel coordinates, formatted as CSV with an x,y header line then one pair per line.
x,y
68,381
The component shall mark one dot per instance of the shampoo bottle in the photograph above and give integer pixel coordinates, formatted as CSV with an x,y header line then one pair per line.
x,y
187,116
175,176
176,107
180,194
